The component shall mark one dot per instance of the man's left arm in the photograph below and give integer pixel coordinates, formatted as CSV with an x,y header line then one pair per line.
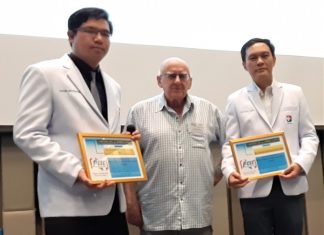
x,y
308,141
217,151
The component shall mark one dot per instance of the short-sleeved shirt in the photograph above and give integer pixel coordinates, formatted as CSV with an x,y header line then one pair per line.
x,y
179,162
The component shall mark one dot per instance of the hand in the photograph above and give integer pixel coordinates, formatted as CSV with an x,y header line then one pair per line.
x,y
82,177
134,215
236,181
293,171
217,178
133,212
136,135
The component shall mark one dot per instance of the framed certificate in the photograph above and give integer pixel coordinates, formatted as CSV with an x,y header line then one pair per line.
x,y
261,156
113,157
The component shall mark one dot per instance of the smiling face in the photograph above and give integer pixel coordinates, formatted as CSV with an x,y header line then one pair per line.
x,y
259,63
89,46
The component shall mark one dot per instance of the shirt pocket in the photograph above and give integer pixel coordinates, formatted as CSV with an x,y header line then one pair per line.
x,y
248,117
197,133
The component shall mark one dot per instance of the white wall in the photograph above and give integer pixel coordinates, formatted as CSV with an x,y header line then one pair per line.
x,y
215,73
294,26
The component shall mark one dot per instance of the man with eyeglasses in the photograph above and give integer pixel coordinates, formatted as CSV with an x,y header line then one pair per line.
x,y
178,131
272,205
58,99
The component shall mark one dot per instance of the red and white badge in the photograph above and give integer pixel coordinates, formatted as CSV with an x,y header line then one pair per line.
x,y
289,119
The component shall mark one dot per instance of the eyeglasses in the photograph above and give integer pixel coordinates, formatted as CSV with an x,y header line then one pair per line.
x,y
173,76
94,31
256,57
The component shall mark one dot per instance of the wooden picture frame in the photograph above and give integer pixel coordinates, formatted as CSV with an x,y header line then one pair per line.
x,y
114,157
261,156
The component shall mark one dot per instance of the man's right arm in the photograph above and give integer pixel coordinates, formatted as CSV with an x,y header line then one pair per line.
x,y
133,213
232,130
31,130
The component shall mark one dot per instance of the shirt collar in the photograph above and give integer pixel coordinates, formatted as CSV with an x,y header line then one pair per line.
x,y
84,68
268,90
163,103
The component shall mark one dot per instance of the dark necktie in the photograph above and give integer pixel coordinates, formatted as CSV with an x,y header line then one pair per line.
x,y
94,90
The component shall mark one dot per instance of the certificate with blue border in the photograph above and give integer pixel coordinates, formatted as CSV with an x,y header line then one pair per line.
x,y
114,157
261,156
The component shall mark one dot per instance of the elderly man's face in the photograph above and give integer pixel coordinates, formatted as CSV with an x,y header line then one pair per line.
x,y
175,81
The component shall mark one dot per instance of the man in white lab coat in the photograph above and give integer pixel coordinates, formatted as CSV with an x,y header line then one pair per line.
x,y
55,103
273,205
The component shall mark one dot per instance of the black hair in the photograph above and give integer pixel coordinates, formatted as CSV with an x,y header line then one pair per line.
x,y
84,14
252,41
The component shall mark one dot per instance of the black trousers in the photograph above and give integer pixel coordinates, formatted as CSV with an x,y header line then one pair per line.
x,y
276,214
112,224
